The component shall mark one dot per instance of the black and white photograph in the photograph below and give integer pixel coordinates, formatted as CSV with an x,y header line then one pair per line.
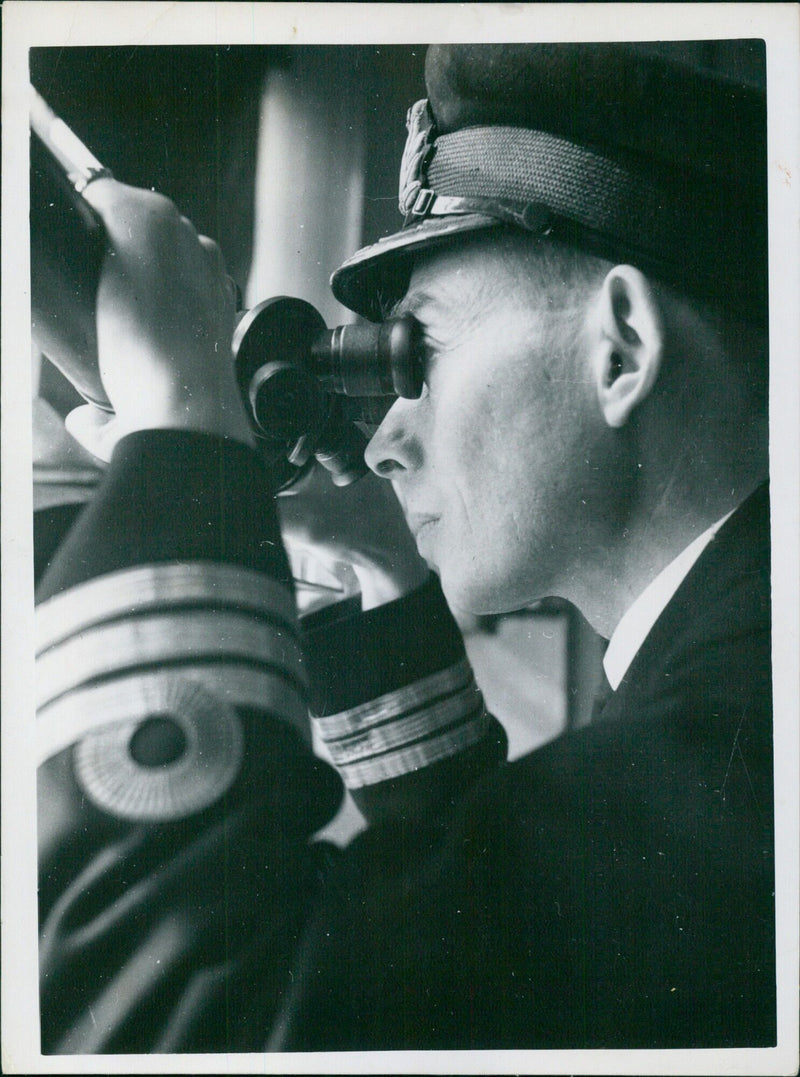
x,y
400,538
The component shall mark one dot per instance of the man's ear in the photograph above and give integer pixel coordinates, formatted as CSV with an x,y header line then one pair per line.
x,y
628,345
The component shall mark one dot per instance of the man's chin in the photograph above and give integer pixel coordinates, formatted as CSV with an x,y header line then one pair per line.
x,y
470,597
465,599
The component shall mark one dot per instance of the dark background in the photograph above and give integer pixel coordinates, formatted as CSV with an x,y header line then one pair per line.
x,y
184,120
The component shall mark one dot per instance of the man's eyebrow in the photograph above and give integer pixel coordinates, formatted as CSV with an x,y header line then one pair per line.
x,y
410,303
397,309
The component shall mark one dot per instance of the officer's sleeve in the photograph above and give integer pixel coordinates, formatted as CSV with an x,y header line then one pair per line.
x,y
177,789
395,702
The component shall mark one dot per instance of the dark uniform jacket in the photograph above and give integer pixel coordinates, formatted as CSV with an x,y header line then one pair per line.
x,y
612,889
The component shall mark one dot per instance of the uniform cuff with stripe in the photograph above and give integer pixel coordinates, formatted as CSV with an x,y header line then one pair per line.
x,y
393,694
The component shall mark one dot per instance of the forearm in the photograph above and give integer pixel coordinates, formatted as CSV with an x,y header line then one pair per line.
x,y
170,601
177,786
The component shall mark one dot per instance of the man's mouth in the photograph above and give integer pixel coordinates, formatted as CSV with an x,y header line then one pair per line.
x,y
420,524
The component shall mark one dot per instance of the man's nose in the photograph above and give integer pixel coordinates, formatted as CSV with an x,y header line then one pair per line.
x,y
395,446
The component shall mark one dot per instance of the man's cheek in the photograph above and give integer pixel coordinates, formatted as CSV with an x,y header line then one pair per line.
x,y
463,439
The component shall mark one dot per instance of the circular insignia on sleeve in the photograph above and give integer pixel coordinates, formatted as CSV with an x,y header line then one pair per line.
x,y
179,752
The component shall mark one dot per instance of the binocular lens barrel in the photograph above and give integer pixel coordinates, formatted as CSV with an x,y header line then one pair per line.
x,y
371,360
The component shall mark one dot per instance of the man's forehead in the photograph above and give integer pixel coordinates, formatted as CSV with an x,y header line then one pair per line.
x,y
469,278
446,279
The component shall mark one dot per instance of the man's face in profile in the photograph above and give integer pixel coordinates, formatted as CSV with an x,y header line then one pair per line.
x,y
497,463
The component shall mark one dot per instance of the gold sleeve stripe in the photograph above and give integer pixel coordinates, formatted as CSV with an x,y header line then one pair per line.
x,y
417,756
397,703
422,723
136,696
135,590
183,636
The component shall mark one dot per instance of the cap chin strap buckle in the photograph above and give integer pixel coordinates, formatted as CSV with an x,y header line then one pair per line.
x,y
422,203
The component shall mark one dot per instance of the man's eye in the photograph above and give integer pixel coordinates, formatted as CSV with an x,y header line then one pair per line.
x,y
428,361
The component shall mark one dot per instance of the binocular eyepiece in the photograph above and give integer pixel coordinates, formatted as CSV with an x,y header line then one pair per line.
x,y
314,391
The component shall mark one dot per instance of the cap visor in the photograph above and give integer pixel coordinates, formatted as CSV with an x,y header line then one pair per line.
x,y
377,276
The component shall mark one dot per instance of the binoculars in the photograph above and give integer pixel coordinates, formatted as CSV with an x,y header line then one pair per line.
x,y
310,392
316,392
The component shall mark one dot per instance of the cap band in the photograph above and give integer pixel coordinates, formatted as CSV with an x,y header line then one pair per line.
x,y
517,165
686,226
541,182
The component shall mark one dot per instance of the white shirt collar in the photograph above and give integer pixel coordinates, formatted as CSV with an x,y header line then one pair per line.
x,y
639,618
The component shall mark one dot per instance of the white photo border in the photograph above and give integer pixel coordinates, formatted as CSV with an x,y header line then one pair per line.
x,y
67,24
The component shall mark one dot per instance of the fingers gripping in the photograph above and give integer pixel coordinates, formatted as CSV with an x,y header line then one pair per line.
x,y
165,317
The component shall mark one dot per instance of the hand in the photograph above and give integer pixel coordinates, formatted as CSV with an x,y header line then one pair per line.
x,y
95,430
361,524
165,317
